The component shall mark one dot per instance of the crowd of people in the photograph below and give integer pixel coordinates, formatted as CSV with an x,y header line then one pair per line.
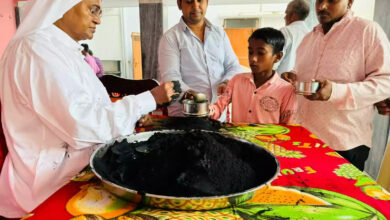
x,y
55,110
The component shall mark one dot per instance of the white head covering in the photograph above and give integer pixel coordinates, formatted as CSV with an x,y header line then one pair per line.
x,y
40,14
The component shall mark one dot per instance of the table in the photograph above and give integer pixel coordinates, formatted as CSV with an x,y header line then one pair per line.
x,y
314,183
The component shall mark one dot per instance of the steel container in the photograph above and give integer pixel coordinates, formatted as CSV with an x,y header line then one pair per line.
x,y
269,163
306,88
195,109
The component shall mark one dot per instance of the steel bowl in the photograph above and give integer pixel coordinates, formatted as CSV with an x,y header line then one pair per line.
x,y
306,88
195,109
267,160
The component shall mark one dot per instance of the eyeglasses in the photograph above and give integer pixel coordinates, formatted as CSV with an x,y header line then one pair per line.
x,y
96,11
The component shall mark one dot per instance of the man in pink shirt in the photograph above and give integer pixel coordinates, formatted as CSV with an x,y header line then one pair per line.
x,y
351,59
261,96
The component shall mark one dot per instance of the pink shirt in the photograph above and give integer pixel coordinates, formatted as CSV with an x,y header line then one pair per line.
x,y
355,56
273,102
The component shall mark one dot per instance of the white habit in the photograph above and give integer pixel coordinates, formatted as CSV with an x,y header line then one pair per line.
x,y
54,109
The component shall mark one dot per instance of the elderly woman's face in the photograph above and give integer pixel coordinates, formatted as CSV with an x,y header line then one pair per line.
x,y
80,21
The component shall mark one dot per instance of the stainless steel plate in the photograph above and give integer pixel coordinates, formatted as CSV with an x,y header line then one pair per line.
x,y
186,203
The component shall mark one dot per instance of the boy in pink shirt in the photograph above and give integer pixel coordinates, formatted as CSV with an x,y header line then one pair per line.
x,y
261,96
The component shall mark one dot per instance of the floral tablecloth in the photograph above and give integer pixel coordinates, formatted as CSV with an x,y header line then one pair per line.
x,y
314,183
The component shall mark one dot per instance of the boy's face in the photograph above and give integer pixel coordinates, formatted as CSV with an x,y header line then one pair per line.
x,y
330,11
193,11
261,56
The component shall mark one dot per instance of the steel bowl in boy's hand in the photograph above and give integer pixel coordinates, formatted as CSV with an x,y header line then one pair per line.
x,y
195,104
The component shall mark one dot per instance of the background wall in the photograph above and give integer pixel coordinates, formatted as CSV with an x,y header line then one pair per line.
x,y
110,28
271,15
7,23
382,15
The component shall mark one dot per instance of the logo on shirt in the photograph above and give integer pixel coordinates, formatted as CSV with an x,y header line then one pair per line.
x,y
269,104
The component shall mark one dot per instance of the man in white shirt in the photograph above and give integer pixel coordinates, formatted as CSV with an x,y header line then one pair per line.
x,y
294,31
197,53
54,108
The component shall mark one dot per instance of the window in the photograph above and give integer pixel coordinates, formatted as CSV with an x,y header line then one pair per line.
x,y
241,23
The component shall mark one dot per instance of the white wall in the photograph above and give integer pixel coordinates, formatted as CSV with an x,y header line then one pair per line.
x,y
131,24
112,40
364,8
107,41
269,16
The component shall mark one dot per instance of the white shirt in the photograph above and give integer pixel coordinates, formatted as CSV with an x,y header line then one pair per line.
x,y
55,110
293,35
200,66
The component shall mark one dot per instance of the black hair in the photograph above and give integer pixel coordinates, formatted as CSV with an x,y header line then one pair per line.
x,y
270,36
86,47
90,52
301,8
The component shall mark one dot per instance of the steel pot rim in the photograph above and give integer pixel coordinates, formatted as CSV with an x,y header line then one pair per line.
x,y
106,146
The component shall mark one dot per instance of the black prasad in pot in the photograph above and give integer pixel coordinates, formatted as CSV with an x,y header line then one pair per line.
x,y
186,164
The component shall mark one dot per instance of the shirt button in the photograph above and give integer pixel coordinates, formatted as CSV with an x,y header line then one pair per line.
x,y
250,111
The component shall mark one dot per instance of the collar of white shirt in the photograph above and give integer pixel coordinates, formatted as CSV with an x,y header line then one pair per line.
x,y
184,26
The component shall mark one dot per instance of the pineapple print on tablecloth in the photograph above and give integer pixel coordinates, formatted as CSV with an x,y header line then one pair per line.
x,y
365,183
264,135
